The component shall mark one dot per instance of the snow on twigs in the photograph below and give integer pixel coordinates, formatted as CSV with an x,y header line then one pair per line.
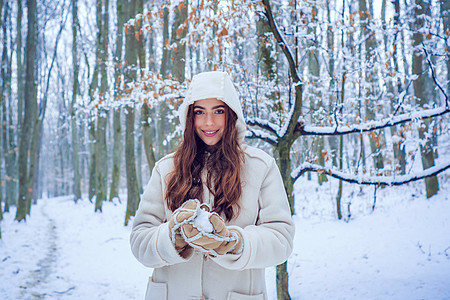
x,y
256,133
373,125
370,180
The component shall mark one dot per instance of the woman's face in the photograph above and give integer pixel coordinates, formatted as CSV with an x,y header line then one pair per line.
x,y
209,120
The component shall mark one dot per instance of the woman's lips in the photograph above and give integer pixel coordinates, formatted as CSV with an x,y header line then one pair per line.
x,y
210,133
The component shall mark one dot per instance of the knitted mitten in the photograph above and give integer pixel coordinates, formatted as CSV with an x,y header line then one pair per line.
x,y
208,232
180,216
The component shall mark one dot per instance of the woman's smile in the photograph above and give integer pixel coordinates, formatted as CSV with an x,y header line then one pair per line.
x,y
210,133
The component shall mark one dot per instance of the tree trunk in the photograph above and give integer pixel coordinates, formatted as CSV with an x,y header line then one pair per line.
x,y
101,187
20,79
93,87
398,147
284,163
445,14
91,191
142,66
130,161
73,114
266,62
339,194
30,117
147,136
332,140
101,161
117,126
147,132
117,155
371,94
3,100
161,120
419,69
315,98
9,147
179,31
165,39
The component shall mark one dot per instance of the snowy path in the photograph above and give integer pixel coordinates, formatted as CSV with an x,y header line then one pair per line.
x,y
47,264
66,251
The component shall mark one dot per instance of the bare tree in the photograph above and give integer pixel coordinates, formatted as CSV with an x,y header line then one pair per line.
x,y
30,118
73,113
130,76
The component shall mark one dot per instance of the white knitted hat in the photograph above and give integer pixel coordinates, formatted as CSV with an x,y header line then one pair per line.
x,y
213,85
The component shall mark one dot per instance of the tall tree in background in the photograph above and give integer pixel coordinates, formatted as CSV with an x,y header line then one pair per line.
x,y
30,117
101,153
3,78
147,132
315,94
420,68
130,77
9,128
179,32
73,113
92,90
117,126
370,89
445,15
161,117
394,88
20,66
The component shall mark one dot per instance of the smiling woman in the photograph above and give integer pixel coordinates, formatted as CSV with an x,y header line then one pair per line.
x,y
215,213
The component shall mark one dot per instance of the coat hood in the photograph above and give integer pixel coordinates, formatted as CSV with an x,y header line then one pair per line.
x,y
213,85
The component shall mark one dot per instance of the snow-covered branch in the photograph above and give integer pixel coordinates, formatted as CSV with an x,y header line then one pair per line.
x,y
433,75
369,180
272,128
259,134
371,125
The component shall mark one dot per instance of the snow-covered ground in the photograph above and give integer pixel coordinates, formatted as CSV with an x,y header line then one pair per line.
x,y
401,250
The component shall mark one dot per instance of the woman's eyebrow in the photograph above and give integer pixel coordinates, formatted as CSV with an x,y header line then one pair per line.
x,y
215,107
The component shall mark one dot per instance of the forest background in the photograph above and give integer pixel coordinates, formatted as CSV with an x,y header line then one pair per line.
x,y
355,90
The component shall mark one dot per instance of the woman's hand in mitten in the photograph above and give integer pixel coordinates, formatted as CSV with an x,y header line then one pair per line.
x,y
232,238
180,216
217,241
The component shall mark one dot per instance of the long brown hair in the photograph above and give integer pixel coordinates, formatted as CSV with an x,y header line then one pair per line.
x,y
223,168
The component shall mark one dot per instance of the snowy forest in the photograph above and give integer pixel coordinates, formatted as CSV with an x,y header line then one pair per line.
x,y
349,91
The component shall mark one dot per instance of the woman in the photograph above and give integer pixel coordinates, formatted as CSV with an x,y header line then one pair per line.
x,y
248,225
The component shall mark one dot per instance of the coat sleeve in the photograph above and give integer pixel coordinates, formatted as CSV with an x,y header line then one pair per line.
x,y
150,240
270,241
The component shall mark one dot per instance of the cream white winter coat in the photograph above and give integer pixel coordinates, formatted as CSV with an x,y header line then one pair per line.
x,y
264,222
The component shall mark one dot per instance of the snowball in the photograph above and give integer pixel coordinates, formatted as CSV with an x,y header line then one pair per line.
x,y
201,221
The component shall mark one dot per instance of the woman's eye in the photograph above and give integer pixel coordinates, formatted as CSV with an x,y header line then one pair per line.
x,y
220,111
198,112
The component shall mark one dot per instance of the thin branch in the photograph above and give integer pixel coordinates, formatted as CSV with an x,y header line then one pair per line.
x,y
272,128
372,125
433,74
258,134
369,180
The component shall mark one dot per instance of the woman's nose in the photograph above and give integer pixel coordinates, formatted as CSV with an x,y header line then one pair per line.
x,y
209,119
